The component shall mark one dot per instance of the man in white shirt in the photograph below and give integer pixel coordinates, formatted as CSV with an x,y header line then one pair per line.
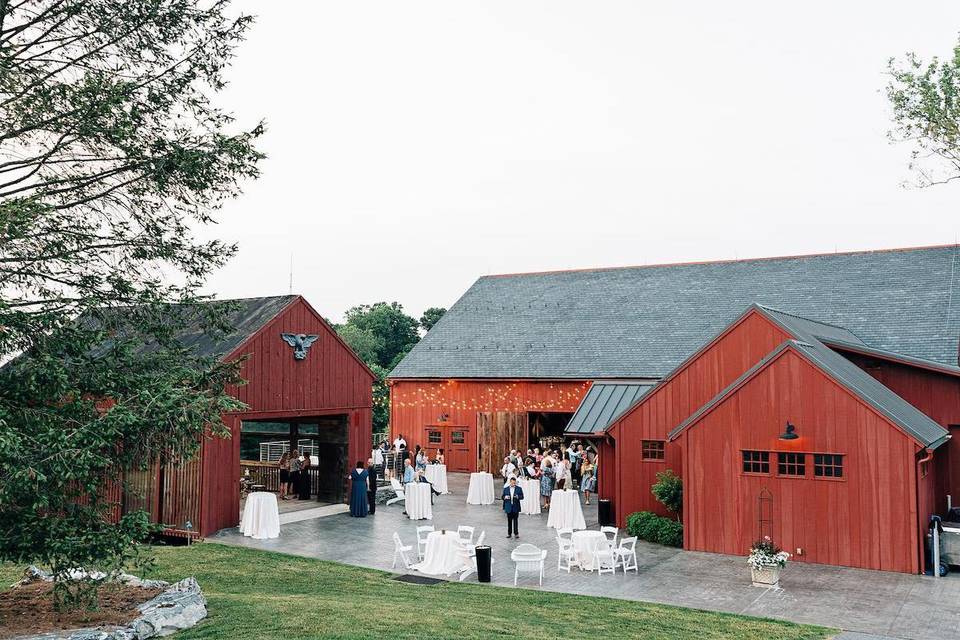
x,y
508,470
399,442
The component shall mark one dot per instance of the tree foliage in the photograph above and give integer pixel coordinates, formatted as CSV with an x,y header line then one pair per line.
x,y
431,317
383,329
382,334
926,113
111,155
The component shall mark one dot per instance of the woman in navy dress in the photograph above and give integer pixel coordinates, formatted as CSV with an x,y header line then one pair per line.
x,y
358,491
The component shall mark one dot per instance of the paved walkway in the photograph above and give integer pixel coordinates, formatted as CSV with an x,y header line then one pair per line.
x,y
869,602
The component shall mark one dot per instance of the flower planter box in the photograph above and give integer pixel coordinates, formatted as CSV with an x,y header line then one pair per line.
x,y
766,577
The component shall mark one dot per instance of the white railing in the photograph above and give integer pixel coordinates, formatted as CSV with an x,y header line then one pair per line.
x,y
272,451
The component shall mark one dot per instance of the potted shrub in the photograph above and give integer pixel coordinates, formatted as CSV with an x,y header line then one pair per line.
x,y
766,560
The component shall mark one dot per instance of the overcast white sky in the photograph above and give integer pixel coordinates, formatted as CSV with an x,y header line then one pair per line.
x,y
415,146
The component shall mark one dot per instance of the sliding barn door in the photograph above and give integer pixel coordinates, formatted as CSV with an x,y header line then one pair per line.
x,y
497,433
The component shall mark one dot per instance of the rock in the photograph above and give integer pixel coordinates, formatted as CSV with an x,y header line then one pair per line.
x,y
180,606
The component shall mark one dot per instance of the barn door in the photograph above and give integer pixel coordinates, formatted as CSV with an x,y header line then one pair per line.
x,y
497,433
455,441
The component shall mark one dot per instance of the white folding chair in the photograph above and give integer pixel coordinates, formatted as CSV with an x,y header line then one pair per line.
x,y
401,550
565,534
566,555
528,559
627,554
422,539
610,533
398,489
605,559
465,533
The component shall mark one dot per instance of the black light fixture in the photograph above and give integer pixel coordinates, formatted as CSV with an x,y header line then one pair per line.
x,y
790,433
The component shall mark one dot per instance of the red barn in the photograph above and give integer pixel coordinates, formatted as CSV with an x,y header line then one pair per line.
x,y
809,448
645,348
305,388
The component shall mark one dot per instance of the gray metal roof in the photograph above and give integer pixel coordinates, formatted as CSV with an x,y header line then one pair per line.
x,y
605,402
885,354
243,317
804,328
246,317
914,422
641,322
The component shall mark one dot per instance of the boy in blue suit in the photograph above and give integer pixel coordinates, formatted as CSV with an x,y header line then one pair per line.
x,y
512,495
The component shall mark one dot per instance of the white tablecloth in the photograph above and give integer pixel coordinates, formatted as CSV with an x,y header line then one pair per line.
x,y
531,497
418,501
565,510
261,517
481,488
444,554
437,475
585,544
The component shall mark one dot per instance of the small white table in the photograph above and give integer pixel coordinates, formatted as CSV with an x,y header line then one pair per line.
x,y
418,501
444,554
437,475
261,516
585,544
531,497
481,488
565,510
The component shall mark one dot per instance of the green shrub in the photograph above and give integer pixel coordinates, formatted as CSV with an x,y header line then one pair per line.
x,y
653,528
668,490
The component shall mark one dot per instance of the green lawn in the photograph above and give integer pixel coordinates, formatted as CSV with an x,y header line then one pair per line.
x,y
258,595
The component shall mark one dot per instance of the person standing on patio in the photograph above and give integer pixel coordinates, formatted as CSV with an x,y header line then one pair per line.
x,y
512,495
284,465
358,491
303,487
421,459
546,481
371,486
588,482
294,473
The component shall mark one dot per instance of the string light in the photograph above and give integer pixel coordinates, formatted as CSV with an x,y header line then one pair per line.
x,y
463,395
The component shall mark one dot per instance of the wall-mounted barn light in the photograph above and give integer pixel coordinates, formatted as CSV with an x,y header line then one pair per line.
x,y
790,433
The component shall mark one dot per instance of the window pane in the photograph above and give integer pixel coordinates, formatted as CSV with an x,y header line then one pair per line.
x,y
791,464
433,437
456,437
652,449
756,461
827,465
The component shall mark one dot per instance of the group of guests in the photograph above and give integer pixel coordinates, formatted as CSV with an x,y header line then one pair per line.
x,y
294,475
563,468
396,463
395,458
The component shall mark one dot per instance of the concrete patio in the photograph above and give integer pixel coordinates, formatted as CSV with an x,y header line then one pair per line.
x,y
869,602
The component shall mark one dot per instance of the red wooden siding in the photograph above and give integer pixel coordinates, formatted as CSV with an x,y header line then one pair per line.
x,y
330,377
867,520
414,404
937,395
671,402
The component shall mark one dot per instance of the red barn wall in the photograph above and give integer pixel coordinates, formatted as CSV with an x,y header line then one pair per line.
x,y
671,402
414,404
937,395
866,520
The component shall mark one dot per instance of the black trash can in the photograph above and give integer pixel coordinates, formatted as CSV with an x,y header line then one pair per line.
x,y
605,512
484,560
